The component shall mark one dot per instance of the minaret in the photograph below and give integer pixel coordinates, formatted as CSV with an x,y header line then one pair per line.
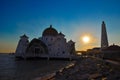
x,y
22,45
104,39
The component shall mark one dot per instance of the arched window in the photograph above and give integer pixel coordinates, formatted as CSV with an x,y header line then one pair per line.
x,y
51,39
37,50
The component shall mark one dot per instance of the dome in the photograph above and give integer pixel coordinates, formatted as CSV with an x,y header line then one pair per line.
x,y
50,31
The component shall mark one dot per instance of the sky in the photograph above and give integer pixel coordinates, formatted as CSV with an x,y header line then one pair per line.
x,y
74,18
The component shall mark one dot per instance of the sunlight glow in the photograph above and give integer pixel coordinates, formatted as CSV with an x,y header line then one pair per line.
x,y
86,39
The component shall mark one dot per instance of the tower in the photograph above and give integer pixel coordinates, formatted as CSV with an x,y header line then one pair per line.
x,y
104,39
22,45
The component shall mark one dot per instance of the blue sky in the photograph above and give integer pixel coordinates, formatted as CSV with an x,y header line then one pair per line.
x,y
75,18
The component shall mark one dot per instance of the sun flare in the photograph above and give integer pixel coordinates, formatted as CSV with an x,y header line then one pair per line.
x,y
86,39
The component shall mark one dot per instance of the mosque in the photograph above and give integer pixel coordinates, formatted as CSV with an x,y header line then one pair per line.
x,y
51,45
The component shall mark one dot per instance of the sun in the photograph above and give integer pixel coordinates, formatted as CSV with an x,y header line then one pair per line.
x,y
86,39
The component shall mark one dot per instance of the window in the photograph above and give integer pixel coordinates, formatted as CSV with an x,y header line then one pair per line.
x,y
51,39
49,44
41,51
50,49
58,39
37,50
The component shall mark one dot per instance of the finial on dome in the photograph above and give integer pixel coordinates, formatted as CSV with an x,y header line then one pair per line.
x,y
50,31
50,26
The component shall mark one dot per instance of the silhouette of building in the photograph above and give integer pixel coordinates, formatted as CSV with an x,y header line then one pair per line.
x,y
104,38
112,52
51,45
109,52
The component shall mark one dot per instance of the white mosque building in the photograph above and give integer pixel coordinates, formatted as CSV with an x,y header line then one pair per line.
x,y
51,45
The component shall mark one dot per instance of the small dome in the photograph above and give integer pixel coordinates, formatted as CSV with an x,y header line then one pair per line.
x,y
61,34
50,31
24,36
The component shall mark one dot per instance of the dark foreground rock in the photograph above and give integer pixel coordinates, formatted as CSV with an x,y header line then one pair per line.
x,y
88,69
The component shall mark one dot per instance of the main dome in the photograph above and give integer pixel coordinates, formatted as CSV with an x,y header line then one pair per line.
x,y
50,31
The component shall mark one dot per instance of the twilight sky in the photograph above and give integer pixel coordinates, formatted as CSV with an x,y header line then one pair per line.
x,y
74,18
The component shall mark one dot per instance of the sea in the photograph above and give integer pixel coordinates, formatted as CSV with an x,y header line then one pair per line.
x,y
12,69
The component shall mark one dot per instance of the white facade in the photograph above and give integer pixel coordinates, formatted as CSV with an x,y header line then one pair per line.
x,y
22,45
52,44
57,46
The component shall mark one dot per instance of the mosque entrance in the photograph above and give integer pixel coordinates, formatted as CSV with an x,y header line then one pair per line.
x,y
37,50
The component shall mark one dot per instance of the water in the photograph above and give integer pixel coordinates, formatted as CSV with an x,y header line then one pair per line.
x,y
10,69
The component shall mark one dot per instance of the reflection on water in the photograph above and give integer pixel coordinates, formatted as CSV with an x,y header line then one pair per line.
x,y
10,69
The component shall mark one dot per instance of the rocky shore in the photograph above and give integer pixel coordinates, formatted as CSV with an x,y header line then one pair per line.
x,y
87,69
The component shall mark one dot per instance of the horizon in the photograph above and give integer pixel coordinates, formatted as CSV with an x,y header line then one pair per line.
x,y
74,18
